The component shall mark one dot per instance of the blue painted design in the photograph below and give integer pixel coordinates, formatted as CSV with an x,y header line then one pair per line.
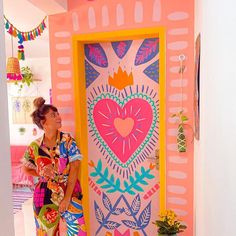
x,y
152,71
96,54
121,48
137,223
147,51
90,73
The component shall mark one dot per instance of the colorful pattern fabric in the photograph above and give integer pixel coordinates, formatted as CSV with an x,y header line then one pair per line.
x,y
49,193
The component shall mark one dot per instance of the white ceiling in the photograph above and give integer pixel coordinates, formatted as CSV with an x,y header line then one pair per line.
x,y
25,16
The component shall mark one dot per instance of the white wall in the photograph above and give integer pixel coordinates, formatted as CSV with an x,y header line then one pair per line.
x,y
41,69
6,209
216,152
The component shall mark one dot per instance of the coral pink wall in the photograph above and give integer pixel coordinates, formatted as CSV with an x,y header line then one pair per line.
x,y
106,15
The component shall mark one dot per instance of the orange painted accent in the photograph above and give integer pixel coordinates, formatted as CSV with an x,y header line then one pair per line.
x,y
124,126
136,233
108,234
121,79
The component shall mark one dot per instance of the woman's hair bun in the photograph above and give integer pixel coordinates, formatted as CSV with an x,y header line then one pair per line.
x,y
38,102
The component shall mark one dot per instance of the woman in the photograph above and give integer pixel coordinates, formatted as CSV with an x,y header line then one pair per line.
x,y
54,158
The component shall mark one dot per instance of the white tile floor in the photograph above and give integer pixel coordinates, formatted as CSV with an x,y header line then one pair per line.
x,y
24,220
19,224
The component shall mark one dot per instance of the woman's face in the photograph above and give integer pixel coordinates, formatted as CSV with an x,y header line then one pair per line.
x,y
52,120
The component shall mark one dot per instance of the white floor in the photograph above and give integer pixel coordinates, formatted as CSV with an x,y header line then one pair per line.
x,y
24,220
19,224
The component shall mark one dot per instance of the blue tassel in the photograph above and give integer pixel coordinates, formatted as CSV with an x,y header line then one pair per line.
x,y
7,25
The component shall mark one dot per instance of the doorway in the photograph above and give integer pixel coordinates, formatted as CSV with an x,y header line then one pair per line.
x,y
119,80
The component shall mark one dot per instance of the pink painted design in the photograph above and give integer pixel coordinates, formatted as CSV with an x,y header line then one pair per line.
x,y
123,128
126,233
93,185
151,191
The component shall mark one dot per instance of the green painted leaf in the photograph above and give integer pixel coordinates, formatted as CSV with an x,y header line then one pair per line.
x,y
118,183
94,174
106,173
100,181
99,166
138,188
131,179
106,186
149,176
112,178
126,184
143,170
143,182
137,175
131,192
111,190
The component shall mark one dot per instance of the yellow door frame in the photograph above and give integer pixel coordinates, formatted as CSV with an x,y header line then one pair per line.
x,y
80,99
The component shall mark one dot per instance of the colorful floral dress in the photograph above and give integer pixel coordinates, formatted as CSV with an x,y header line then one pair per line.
x,y
48,193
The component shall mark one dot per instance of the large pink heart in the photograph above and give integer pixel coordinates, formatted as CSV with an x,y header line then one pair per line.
x,y
123,128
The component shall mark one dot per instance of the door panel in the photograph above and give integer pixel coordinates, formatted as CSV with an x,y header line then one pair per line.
x,y
122,96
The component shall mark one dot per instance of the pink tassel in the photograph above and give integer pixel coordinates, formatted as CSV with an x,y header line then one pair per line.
x,y
31,36
10,31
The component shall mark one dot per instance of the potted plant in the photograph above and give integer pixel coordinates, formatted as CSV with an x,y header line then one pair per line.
x,y
169,224
181,139
27,77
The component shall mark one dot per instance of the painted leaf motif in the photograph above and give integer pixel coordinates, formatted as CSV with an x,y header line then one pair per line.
x,y
112,178
121,48
106,202
111,190
126,184
111,225
99,166
94,174
106,186
90,73
152,71
147,51
127,211
98,213
117,183
106,173
118,211
138,188
145,216
100,181
96,54
131,192
130,224
136,204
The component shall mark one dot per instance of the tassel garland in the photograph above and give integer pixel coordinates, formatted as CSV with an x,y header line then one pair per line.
x,y
24,36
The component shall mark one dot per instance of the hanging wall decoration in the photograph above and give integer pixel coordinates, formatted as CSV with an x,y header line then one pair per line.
x,y
24,36
180,117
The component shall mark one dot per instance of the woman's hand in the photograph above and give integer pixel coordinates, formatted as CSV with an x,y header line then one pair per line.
x,y
64,205
47,172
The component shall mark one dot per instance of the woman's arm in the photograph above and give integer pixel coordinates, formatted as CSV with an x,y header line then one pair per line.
x,y
73,175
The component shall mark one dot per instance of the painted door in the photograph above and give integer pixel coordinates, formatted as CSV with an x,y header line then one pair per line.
x,y
122,90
